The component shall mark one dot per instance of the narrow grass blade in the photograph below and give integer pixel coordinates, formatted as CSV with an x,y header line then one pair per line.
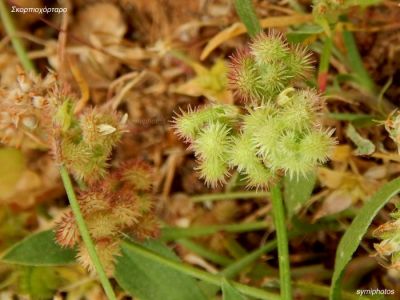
x,y
352,237
245,10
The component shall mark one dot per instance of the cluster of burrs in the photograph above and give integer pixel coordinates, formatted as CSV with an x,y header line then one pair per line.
x,y
121,203
277,131
37,113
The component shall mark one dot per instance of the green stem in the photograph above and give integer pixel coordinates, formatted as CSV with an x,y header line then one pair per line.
x,y
85,234
233,269
202,275
243,262
227,196
323,291
205,252
174,233
15,40
356,63
324,64
282,240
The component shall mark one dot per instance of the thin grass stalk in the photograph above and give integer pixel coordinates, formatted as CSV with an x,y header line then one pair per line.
x,y
282,242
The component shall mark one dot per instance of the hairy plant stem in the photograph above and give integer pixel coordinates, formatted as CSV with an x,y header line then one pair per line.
x,y
199,274
15,40
282,242
85,234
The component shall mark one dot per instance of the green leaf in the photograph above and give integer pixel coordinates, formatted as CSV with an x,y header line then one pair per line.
x,y
229,292
148,280
353,235
298,191
38,282
245,10
303,32
355,61
39,249
364,146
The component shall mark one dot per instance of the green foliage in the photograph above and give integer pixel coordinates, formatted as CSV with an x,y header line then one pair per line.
x,y
278,131
229,292
149,280
364,146
31,250
298,191
38,282
353,235
245,10
331,9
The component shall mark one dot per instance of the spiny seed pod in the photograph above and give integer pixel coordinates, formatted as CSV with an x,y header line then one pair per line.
x,y
213,170
242,156
212,141
244,78
211,149
67,233
189,124
148,226
107,250
268,135
138,175
300,110
270,48
299,62
317,145
255,118
287,155
100,225
100,128
274,78
389,247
